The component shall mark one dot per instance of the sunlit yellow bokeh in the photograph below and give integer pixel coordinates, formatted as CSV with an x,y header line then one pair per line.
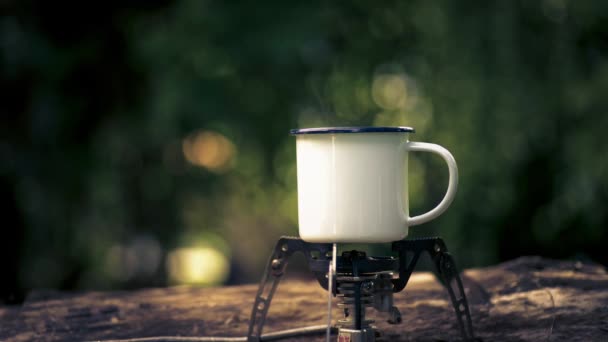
x,y
197,265
210,150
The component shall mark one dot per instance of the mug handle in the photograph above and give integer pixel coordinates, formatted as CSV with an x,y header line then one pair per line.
x,y
452,182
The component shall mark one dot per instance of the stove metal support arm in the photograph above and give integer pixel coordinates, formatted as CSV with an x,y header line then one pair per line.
x,y
447,270
275,268
446,267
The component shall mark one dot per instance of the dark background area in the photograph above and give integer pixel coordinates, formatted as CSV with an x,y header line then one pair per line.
x,y
145,143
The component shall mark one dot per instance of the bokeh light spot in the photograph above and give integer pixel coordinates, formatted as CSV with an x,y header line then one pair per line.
x,y
210,150
390,91
197,265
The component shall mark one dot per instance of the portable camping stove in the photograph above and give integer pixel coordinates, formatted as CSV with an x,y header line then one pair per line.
x,y
362,281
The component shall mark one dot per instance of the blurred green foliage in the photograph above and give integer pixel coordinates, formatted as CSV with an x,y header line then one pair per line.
x,y
102,102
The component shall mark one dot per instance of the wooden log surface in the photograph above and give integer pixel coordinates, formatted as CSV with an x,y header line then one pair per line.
x,y
527,299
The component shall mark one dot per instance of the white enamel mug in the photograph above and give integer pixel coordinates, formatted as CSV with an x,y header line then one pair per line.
x,y
353,181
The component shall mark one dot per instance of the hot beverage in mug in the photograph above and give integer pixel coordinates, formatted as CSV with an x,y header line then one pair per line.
x,y
352,183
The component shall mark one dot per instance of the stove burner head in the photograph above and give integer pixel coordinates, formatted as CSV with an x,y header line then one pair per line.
x,y
357,262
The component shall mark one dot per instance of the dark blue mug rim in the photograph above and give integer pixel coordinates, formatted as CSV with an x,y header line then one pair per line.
x,y
365,129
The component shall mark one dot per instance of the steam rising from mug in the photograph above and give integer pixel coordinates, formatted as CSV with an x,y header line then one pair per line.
x,y
352,183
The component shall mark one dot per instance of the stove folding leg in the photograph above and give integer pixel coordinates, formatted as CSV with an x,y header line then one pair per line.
x,y
446,268
275,268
